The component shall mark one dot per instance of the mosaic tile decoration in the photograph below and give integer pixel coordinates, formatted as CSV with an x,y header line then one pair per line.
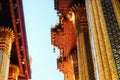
x,y
113,31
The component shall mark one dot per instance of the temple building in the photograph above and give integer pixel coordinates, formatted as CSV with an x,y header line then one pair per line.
x,y
14,57
88,37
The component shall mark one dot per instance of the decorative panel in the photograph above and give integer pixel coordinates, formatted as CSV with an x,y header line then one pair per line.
x,y
113,31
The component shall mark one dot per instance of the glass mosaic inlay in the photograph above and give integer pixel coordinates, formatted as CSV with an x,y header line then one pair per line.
x,y
113,31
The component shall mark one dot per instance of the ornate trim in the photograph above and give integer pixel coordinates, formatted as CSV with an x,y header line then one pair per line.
x,y
6,39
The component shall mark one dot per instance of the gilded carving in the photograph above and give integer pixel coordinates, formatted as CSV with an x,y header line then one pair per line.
x,y
6,40
71,16
13,72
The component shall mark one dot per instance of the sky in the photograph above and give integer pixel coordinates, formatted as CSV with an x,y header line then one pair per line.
x,y
39,16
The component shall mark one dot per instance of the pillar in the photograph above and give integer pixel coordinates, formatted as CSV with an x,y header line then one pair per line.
x,y
102,52
82,61
6,39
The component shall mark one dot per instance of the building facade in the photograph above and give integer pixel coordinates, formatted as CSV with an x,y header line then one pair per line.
x,y
88,37
14,57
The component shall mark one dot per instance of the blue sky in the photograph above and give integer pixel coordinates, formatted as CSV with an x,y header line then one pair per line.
x,y
39,17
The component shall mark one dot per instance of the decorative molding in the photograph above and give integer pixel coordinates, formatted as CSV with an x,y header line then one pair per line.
x,y
81,27
6,39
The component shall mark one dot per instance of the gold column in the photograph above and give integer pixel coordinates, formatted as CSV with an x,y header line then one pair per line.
x,y
105,61
101,41
98,64
82,62
13,72
6,39
109,54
